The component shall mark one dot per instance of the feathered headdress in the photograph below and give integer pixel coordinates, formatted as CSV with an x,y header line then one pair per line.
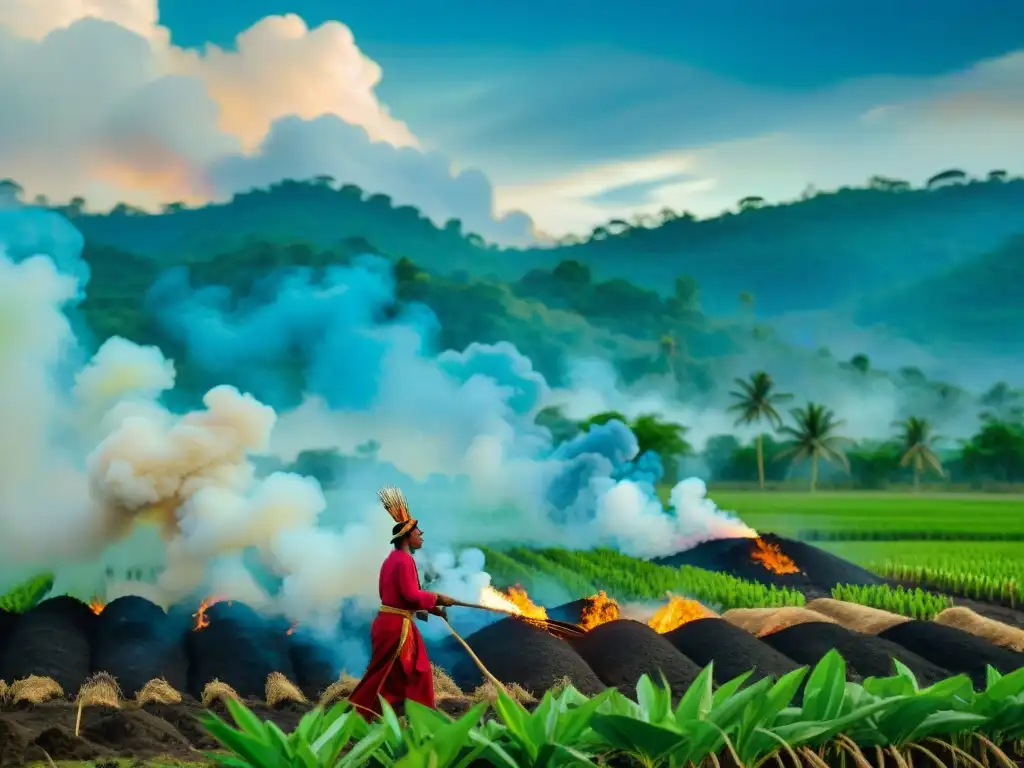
x,y
396,505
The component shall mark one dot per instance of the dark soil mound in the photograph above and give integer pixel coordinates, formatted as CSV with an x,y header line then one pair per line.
x,y
7,622
819,570
570,612
135,641
621,652
314,664
517,652
865,655
954,649
237,647
732,650
52,640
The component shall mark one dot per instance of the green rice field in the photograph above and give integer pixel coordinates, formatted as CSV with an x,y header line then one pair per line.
x,y
788,513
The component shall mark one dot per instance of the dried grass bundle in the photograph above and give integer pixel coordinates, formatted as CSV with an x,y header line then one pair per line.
x,y
158,691
764,621
860,618
340,689
100,690
994,631
34,690
280,690
444,686
216,691
3,692
487,692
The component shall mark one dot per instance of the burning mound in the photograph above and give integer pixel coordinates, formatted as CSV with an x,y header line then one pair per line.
x,y
515,651
623,651
314,665
865,655
600,609
771,559
136,642
235,645
732,650
53,640
953,649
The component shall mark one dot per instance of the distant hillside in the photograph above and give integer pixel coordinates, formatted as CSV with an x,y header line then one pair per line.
x,y
979,302
817,253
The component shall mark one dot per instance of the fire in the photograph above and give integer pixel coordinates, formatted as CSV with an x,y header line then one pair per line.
x,y
598,609
676,612
97,605
514,601
772,558
291,629
201,617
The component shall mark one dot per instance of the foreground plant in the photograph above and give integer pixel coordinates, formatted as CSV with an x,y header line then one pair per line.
x,y
891,719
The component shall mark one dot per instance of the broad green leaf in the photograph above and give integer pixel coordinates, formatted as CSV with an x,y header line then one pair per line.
x,y
696,702
517,720
903,671
255,750
245,719
823,694
992,676
561,756
1005,686
360,753
945,724
453,738
637,737
655,701
727,690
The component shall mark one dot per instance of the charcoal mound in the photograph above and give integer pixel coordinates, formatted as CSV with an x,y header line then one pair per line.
x,y
135,642
865,655
621,652
237,647
53,639
571,611
515,651
732,650
820,571
314,664
7,622
952,648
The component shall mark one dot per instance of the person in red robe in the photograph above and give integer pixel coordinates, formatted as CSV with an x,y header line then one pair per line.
x,y
399,668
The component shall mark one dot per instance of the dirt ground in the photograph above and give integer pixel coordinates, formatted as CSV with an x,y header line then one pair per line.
x,y
158,734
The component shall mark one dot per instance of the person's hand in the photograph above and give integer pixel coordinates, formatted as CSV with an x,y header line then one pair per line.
x,y
440,611
444,601
422,615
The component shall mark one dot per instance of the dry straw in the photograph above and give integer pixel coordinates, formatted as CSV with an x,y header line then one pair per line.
x,y
3,692
765,621
100,690
34,690
994,631
340,689
489,693
280,690
444,686
860,618
216,691
158,691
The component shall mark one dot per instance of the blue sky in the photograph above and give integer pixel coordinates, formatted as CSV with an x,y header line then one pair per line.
x,y
531,90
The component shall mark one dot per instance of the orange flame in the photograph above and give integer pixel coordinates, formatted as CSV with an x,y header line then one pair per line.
x,y
676,612
772,558
291,629
515,600
201,617
97,605
597,610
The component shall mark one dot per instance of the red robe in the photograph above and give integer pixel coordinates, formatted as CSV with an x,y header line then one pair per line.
x,y
399,669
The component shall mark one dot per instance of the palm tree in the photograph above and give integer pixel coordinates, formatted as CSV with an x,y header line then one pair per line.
x,y
917,440
814,437
756,401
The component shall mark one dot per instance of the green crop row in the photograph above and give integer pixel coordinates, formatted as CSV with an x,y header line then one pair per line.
x,y
915,603
835,722
992,572
628,578
26,595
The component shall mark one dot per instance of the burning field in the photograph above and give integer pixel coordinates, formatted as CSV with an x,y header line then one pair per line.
x,y
141,674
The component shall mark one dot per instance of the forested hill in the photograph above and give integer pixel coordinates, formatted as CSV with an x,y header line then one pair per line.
x,y
817,253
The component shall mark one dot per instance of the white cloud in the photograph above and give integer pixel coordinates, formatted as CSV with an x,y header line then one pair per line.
x,y
98,103
971,120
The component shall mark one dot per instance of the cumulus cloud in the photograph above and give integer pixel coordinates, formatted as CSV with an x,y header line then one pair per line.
x,y
99,103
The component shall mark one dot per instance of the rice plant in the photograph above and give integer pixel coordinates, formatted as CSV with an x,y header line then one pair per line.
x,y
915,603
